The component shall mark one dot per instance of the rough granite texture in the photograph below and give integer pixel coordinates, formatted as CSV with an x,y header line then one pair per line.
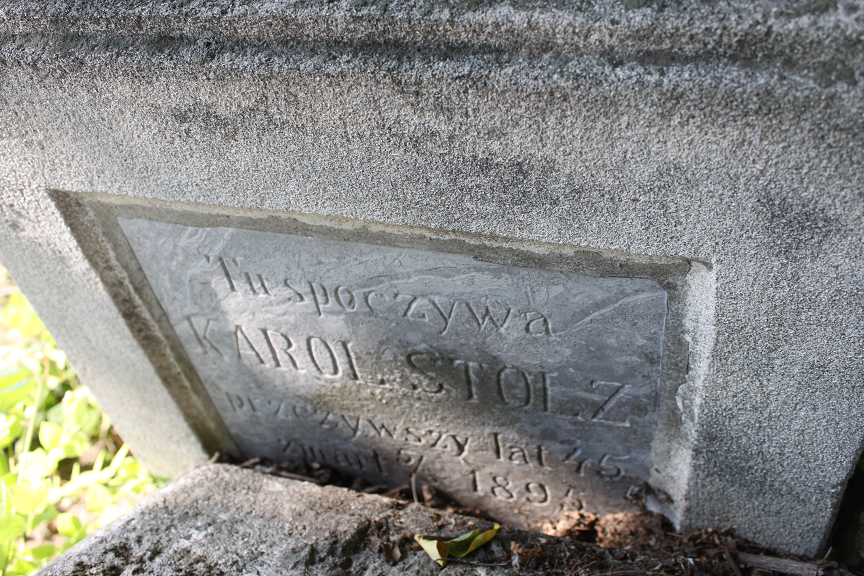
x,y
728,134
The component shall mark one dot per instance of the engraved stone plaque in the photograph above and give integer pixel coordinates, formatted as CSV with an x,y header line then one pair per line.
x,y
523,392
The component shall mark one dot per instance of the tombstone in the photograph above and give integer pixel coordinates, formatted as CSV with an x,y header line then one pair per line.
x,y
540,256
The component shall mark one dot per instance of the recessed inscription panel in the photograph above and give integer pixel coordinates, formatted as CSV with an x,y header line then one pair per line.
x,y
527,393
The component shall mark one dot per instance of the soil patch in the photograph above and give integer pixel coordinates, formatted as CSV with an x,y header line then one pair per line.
x,y
580,544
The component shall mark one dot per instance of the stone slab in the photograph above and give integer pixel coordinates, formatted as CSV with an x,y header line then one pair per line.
x,y
726,137
510,388
220,520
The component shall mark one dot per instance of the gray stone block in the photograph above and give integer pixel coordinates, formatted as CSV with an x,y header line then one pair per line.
x,y
220,520
510,388
712,149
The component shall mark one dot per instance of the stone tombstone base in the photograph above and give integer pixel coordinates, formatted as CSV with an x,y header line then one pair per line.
x,y
221,520
546,257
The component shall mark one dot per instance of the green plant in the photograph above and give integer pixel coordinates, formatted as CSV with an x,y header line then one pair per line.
x,y
63,470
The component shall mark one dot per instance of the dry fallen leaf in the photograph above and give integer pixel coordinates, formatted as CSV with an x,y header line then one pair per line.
x,y
438,550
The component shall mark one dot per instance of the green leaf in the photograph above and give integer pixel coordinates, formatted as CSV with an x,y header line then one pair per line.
x,y
49,435
92,419
25,499
37,465
18,314
460,546
74,408
68,525
11,428
469,542
11,527
76,445
58,357
49,513
42,552
55,414
97,497
21,567
15,386
109,472
436,549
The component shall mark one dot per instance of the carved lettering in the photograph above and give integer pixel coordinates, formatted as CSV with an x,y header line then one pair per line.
x,y
447,316
416,307
224,268
501,488
504,488
609,470
281,351
425,362
320,297
409,459
453,445
471,371
353,426
544,390
488,318
516,453
380,429
240,403
231,269
537,324
343,457
347,460
203,338
245,346
345,298
514,387
293,293
617,392
538,493
368,298
349,360
570,502
322,356
304,411
386,363
422,361
330,421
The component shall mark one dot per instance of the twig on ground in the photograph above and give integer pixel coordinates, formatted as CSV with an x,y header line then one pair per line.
x,y
295,476
782,565
395,491
732,564
460,561
630,573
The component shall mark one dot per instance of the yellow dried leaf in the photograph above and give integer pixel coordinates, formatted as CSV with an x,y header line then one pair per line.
x,y
436,549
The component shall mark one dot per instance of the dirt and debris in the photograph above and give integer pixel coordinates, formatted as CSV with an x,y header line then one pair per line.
x,y
227,519
580,543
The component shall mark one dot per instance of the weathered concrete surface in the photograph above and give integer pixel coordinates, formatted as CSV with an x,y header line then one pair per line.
x,y
726,135
221,520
